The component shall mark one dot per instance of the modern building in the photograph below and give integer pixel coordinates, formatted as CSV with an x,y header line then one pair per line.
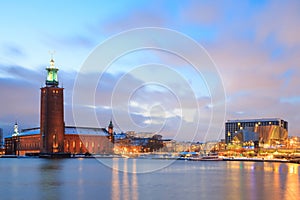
x,y
53,137
266,130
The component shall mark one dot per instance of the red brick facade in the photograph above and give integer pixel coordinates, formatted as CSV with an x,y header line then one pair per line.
x,y
73,143
52,120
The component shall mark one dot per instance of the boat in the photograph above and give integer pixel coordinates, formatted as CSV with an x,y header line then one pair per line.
x,y
212,157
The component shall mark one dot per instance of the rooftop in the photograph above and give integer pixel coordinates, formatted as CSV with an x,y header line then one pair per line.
x,y
255,120
68,131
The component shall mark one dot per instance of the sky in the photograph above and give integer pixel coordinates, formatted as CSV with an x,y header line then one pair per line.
x,y
253,46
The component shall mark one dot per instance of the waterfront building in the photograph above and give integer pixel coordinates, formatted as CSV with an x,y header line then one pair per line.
x,y
267,131
2,150
133,143
1,137
53,137
77,140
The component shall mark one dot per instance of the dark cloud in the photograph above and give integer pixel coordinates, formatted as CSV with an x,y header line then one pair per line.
x,y
20,96
14,50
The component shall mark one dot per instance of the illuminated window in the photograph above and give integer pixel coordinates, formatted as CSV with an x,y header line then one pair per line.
x,y
74,144
93,147
54,144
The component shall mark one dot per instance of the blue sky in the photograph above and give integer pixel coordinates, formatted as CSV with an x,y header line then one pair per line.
x,y
255,45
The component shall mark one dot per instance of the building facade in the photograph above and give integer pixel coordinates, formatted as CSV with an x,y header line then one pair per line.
x,y
77,140
1,137
266,130
53,137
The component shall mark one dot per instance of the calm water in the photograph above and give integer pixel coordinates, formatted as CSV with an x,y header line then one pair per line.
x,y
90,179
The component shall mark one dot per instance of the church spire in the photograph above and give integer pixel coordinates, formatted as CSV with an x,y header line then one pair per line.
x,y
16,130
111,125
52,78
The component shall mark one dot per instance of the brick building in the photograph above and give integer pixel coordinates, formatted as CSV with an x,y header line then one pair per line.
x,y
53,137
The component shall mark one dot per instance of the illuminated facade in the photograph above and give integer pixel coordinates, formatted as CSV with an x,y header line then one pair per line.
x,y
53,137
77,140
268,130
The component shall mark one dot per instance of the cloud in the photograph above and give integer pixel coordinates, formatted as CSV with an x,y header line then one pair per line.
x,y
13,50
280,20
255,46
134,104
256,80
19,95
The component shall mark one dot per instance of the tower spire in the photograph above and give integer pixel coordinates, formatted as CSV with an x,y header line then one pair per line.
x,y
111,132
16,129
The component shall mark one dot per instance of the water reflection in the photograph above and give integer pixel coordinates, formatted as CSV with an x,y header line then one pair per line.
x,y
128,189
134,182
115,188
49,183
87,179
263,180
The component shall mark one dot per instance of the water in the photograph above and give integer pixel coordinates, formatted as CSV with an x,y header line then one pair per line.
x,y
90,179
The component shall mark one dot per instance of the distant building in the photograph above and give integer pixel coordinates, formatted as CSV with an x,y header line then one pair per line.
x,y
53,137
267,130
1,137
2,150
134,143
140,134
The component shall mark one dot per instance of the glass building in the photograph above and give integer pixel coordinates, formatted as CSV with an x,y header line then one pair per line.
x,y
268,129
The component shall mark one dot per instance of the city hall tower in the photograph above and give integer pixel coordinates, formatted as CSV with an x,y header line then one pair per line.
x,y
52,113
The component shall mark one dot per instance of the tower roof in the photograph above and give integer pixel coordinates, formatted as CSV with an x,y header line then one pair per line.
x,y
52,78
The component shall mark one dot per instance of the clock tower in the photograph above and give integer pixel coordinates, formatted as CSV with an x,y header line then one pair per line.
x,y
52,114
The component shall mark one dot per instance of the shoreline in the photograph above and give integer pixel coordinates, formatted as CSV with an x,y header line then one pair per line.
x,y
240,159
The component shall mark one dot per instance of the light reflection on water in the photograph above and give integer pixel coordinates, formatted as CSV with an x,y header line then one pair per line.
x,y
89,179
129,187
